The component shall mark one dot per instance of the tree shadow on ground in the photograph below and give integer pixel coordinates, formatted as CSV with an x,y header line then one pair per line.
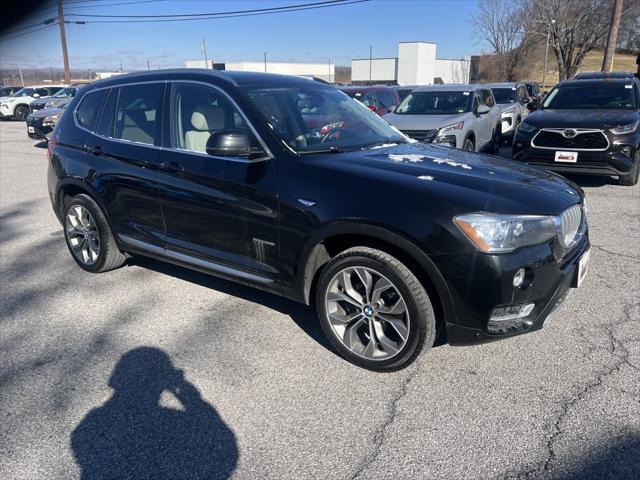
x,y
133,436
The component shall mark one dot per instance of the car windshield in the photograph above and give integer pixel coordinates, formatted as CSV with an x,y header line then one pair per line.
x,y
435,103
593,96
24,92
358,95
505,95
65,93
314,118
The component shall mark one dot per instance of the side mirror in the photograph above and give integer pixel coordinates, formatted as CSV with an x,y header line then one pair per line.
x,y
526,101
531,106
36,95
229,143
482,109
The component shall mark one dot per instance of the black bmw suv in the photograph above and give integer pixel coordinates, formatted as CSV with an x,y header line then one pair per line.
x,y
589,125
290,186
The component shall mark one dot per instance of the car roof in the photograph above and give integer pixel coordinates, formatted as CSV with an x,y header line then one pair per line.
x,y
594,75
363,88
598,81
503,84
451,87
232,77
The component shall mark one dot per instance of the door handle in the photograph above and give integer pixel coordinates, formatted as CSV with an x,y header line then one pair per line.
x,y
96,150
171,167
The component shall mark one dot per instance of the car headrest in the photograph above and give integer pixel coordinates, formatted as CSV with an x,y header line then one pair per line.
x,y
207,118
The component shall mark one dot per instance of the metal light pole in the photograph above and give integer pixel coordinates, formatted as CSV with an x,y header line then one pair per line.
x,y
329,70
265,62
148,67
370,61
21,77
63,40
546,56
204,51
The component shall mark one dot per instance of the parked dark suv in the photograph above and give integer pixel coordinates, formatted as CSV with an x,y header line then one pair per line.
x,y
589,126
391,239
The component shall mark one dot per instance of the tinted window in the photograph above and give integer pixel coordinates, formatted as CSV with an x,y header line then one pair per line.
x,y
505,95
591,95
43,92
198,111
387,98
87,111
435,103
531,88
137,113
105,126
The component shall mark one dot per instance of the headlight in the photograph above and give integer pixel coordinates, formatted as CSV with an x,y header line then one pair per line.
x,y
525,127
622,129
451,128
4,105
50,121
511,111
48,105
495,233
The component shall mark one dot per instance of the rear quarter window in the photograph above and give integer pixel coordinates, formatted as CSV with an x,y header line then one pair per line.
x,y
89,108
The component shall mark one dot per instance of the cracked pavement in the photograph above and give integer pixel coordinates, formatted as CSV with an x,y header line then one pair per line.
x,y
270,399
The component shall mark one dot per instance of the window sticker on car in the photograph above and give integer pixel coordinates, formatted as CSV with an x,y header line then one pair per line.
x,y
466,93
628,86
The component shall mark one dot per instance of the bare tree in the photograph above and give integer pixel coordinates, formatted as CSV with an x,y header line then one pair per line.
x,y
580,26
504,25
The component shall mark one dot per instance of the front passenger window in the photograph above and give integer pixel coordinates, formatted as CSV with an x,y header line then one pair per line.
x,y
198,111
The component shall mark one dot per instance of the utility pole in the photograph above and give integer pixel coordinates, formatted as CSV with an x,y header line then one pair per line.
x,y
204,51
52,79
370,61
329,70
612,39
148,67
265,62
63,39
21,77
546,56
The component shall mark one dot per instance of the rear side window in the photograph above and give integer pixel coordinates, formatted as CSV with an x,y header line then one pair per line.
x,y
87,111
105,125
137,116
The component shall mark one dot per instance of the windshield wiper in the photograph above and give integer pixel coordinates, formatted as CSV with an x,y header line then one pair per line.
x,y
326,150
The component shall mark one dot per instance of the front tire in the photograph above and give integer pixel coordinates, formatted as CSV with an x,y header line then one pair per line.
x,y
468,145
21,113
373,309
631,179
89,237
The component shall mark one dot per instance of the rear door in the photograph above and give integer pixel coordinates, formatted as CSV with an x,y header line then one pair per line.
x,y
126,144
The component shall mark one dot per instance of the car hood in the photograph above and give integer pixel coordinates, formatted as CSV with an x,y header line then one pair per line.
x,y
423,122
58,102
47,112
43,100
548,118
460,181
506,106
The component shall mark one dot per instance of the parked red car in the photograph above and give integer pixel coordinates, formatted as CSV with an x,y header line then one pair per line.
x,y
378,99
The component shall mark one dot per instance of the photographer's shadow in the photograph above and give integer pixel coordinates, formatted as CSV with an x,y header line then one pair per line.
x,y
133,436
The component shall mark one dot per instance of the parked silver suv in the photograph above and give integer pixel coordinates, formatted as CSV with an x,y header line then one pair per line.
x,y
512,99
463,116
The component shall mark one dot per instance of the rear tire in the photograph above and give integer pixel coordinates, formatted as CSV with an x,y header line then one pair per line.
x,y
89,237
365,294
21,113
631,179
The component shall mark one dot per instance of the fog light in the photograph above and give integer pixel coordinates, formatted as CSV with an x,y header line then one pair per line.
x,y
627,151
512,312
518,278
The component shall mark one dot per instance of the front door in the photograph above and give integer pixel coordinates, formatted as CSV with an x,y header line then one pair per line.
x,y
219,212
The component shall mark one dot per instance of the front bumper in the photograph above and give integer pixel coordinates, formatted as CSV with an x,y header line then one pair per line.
x,y
6,112
617,160
487,284
36,130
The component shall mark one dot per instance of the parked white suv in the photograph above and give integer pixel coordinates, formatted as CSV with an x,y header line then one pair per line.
x,y
512,99
17,105
463,116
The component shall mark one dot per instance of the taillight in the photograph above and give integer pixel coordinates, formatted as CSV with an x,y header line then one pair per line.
x,y
50,146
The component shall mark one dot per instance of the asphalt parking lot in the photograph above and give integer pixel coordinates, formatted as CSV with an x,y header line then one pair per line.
x,y
265,397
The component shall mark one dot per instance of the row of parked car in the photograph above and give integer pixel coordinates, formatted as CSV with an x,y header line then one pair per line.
x,y
40,106
585,125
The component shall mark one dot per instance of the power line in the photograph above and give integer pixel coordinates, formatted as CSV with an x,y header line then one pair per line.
x,y
29,32
254,10
182,19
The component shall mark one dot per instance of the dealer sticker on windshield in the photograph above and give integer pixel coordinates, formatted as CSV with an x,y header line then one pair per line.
x,y
566,157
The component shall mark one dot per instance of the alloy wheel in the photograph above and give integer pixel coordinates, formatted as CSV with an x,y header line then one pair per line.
x,y
82,233
367,313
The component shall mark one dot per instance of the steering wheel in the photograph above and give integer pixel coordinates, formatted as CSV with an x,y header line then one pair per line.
x,y
331,133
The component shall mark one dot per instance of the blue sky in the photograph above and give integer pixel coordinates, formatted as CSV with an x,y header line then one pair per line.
x,y
338,33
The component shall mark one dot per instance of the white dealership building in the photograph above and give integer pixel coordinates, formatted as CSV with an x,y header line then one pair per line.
x,y
416,64
325,71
